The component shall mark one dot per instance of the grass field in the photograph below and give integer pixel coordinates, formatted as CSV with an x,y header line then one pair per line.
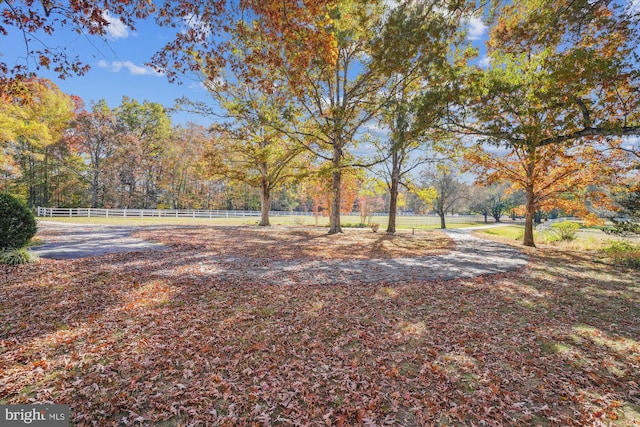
x,y
403,222
588,239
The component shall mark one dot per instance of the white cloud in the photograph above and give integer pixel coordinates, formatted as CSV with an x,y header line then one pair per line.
x,y
391,4
631,141
477,28
116,29
376,130
195,22
136,70
484,62
198,86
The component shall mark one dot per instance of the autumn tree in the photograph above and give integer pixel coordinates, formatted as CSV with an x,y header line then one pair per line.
x,y
404,150
432,35
145,127
312,194
250,142
260,157
184,181
370,197
423,196
205,31
339,91
369,73
569,178
334,57
493,200
322,50
95,138
562,76
8,127
36,123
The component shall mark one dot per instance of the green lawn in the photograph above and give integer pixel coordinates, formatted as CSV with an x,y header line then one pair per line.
x,y
588,239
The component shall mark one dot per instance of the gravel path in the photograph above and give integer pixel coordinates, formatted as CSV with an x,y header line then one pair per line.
x,y
473,257
70,241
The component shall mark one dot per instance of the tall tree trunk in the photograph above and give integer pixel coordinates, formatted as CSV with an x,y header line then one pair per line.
x,y
528,222
31,176
95,185
265,203
336,184
393,195
443,225
45,190
393,207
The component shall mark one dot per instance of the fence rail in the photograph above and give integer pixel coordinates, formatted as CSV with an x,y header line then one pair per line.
x,y
156,213
409,219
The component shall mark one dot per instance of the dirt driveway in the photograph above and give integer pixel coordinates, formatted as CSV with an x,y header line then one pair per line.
x,y
71,241
471,257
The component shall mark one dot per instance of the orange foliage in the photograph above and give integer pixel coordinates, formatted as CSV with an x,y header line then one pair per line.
x,y
560,177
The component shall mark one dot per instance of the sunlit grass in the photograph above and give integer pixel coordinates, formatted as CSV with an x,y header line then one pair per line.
x,y
623,253
513,232
386,293
411,329
587,239
618,344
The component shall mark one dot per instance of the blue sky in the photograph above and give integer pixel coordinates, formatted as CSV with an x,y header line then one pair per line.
x,y
118,65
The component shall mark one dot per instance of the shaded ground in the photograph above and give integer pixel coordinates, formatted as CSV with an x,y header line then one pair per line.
x,y
69,241
290,256
149,338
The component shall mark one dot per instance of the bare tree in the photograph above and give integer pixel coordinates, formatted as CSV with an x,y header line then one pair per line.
x,y
449,191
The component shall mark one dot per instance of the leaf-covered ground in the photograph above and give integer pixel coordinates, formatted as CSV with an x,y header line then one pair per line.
x,y
125,343
301,243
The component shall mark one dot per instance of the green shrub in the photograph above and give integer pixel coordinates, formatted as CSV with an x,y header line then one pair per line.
x,y
565,231
624,253
18,256
17,223
352,225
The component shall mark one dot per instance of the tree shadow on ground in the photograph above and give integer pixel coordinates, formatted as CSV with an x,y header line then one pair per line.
x,y
164,341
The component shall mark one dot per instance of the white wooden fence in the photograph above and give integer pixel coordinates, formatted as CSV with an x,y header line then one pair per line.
x,y
156,213
412,219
